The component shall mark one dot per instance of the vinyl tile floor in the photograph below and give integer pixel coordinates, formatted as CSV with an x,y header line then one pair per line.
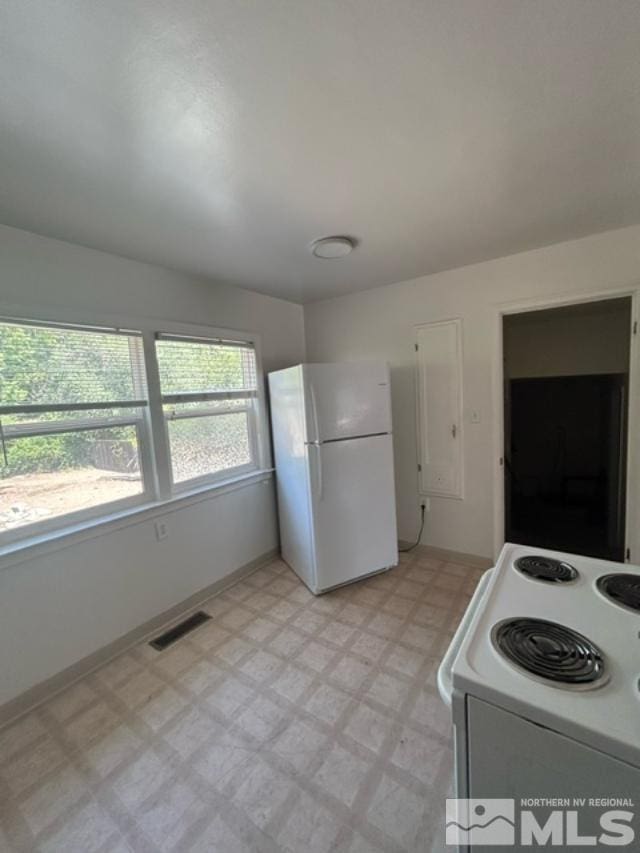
x,y
285,723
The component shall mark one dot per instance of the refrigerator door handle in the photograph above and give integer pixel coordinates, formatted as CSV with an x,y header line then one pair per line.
x,y
318,448
314,411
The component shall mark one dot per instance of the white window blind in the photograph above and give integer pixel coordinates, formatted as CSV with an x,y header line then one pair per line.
x,y
72,404
54,368
209,391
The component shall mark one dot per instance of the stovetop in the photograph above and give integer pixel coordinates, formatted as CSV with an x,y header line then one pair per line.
x,y
555,644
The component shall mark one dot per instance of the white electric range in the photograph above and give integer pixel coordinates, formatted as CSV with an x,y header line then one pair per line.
x,y
543,680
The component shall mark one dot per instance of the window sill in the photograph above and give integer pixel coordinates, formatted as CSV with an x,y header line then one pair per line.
x,y
65,537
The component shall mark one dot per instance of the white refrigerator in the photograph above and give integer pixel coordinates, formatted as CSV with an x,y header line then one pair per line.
x,y
334,470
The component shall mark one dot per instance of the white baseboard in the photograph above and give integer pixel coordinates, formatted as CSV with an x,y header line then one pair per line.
x,y
43,691
450,556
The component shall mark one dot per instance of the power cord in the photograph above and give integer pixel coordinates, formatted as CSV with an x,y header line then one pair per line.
x,y
417,542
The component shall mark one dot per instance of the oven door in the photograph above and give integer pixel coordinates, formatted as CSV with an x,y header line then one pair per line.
x,y
445,682
527,772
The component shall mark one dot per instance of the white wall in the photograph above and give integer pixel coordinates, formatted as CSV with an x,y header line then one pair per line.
x,y
568,341
56,609
380,323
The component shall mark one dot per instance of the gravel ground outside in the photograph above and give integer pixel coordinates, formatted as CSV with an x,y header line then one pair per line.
x,y
32,497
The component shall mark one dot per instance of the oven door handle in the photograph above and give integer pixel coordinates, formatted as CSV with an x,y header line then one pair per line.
x,y
445,681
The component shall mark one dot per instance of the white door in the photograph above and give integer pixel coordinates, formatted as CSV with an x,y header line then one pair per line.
x,y
353,497
439,347
347,400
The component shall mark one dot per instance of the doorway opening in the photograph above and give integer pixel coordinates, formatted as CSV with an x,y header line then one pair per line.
x,y
566,374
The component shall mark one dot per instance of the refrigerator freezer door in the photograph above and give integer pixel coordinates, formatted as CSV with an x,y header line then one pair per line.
x,y
346,400
353,497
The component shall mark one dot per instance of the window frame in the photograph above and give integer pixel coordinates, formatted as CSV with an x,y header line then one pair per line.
x,y
158,488
251,409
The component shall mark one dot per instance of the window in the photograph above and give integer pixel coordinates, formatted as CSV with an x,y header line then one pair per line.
x,y
209,393
80,436
72,408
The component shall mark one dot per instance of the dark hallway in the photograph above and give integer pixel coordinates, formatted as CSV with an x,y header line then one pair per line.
x,y
565,434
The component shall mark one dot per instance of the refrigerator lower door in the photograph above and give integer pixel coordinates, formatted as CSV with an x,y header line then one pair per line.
x,y
354,512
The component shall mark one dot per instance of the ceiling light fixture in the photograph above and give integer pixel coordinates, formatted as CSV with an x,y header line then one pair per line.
x,y
330,248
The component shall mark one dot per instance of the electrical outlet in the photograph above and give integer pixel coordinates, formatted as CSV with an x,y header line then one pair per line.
x,y
161,530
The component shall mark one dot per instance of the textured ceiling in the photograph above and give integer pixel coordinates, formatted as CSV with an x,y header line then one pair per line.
x,y
222,136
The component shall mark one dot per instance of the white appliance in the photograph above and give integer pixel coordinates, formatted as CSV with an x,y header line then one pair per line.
x,y
334,463
542,679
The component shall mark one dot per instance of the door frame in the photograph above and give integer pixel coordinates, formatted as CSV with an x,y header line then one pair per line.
x,y
522,306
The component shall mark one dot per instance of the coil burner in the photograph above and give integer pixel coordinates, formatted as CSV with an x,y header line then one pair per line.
x,y
622,589
546,569
550,652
